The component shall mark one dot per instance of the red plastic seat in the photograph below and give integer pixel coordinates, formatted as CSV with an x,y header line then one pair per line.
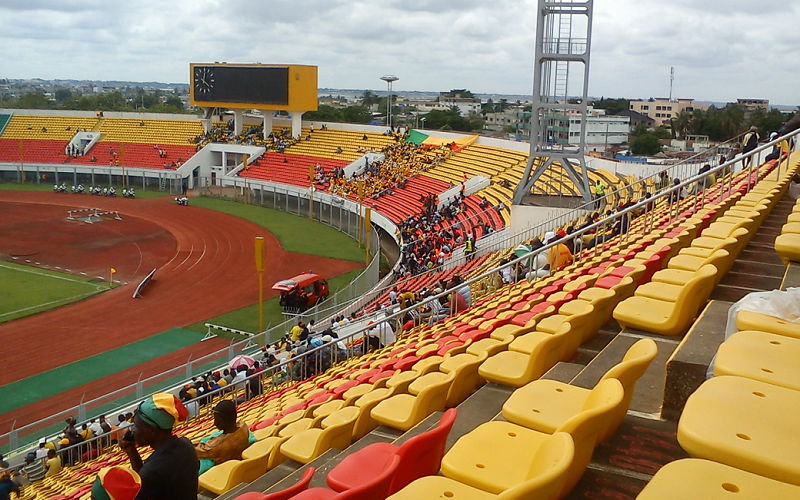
x,y
375,487
266,423
419,456
475,335
322,398
367,375
380,376
341,389
447,347
621,271
285,494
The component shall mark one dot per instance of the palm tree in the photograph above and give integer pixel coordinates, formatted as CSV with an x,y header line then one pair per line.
x,y
680,124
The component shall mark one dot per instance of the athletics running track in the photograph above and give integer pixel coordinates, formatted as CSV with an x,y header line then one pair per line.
x,y
205,263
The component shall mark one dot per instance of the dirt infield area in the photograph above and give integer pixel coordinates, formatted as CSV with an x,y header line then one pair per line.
x,y
205,262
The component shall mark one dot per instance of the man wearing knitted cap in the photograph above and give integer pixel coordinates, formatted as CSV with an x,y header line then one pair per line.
x,y
170,473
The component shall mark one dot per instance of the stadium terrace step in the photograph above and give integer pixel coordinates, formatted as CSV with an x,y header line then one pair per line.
x,y
128,154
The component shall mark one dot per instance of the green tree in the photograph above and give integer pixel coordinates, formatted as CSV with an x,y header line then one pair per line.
x,y
324,113
174,101
645,144
357,114
680,124
612,106
62,95
368,98
34,101
766,121
451,119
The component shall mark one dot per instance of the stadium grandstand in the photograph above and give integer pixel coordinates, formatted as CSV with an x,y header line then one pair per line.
x,y
582,378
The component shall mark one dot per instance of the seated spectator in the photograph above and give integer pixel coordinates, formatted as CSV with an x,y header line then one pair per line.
x,y
33,469
228,442
558,256
52,465
443,310
171,470
7,485
464,290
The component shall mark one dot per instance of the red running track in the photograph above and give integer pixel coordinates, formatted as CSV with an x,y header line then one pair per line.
x,y
206,268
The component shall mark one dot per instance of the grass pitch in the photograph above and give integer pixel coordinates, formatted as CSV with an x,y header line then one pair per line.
x,y
296,234
28,290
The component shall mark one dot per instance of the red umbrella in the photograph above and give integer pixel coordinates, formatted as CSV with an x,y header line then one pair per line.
x,y
240,360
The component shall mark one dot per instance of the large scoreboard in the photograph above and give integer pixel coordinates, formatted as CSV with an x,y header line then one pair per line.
x,y
260,86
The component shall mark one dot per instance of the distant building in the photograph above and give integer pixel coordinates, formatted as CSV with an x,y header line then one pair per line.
x,y
663,110
637,118
565,128
446,100
750,105
602,131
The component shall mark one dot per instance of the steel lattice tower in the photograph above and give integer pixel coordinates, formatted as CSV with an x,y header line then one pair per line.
x,y
563,41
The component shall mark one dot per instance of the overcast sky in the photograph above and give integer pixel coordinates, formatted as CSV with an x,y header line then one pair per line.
x,y
721,49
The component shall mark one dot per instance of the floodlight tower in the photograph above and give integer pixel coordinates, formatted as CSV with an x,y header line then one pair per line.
x,y
389,79
563,41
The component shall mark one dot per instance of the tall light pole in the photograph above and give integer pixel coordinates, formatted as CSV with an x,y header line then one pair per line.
x,y
389,79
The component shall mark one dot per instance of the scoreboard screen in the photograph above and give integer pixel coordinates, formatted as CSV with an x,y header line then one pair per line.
x,y
241,84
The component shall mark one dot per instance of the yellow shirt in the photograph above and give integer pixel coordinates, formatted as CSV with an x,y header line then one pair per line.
x,y
53,466
559,256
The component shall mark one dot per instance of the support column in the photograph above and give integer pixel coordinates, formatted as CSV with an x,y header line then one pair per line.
x,y
297,123
238,121
207,119
267,116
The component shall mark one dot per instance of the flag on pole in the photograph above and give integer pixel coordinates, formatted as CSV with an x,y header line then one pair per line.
x,y
113,271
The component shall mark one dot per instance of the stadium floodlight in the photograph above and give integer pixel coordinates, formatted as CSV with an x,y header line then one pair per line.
x,y
389,79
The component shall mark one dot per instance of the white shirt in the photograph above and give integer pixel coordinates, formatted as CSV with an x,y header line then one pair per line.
x,y
466,292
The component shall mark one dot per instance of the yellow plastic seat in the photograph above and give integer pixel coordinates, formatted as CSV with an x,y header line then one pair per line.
x,y
296,427
577,334
744,423
490,457
760,356
352,394
489,346
723,230
365,423
425,381
466,378
401,380
515,368
791,228
404,411
271,446
222,477
544,405
668,318
696,479
733,244
545,473
427,365
787,246
326,409
603,302
684,272
336,432
749,320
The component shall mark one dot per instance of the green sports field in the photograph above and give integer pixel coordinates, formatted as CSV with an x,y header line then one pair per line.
x,y
28,290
